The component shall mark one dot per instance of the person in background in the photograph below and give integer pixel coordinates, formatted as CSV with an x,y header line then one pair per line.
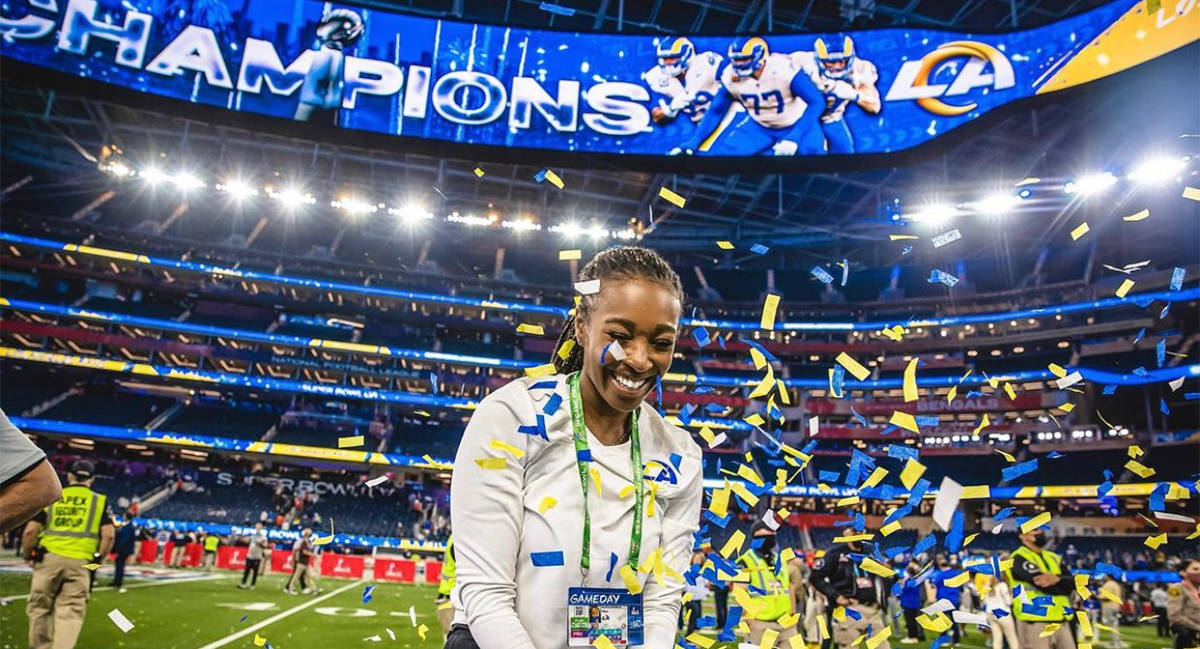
x,y
211,543
771,587
1183,606
62,543
124,546
1159,598
254,557
912,596
721,601
28,483
997,601
1038,572
302,555
693,609
948,580
835,575
1112,596
445,608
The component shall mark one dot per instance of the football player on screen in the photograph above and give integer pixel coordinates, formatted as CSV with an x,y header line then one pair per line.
x,y
782,106
844,79
684,80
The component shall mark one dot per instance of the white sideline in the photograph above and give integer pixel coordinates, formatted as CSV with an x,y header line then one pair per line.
x,y
278,616
165,582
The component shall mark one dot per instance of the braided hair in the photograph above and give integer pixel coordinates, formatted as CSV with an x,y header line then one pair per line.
x,y
619,263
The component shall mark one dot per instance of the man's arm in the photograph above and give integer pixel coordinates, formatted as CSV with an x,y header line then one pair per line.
x,y
711,120
29,540
28,494
806,132
821,575
106,542
868,98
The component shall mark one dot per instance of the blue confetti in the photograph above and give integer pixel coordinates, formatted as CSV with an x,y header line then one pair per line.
x,y
861,419
926,420
433,381
1103,488
1177,278
941,640
762,350
552,404
556,9
1141,371
973,393
918,492
759,249
1160,351
820,274
675,460
1158,497
837,386
1162,407
1003,514
1166,309
583,455
721,342
714,408
540,176
703,389
902,452
544,385
829,476
845,271
546,559
937,276
954,538
925,543
366,596
538,429
854,615
612,564
1054,455
701,336
1109,390
685,413
1143,301
1141,334
1017,470
243,618
907,249
888,430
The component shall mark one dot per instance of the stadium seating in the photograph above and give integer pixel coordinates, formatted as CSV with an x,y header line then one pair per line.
x,y
223,421
120,409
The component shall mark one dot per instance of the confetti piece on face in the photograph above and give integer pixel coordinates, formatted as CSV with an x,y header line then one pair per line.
x,y
1191,193
910,380
946,238
905,421
1035,522
125,625
1079,231
1123,289
351,442
1140,216
768,312
725,245
568,255
492,463
531,329
853,366
671,197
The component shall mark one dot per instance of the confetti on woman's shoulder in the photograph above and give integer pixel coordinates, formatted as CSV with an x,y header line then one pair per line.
x,y
122,622
540,370
507,448
492,463
1079,231
569,255
547,504
853,366
671,197
768,313
1140,216
531,329
590,287
351,442
546,559
725,245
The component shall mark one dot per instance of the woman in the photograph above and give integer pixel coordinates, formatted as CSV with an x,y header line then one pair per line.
x,y
1183,607
998,604
553,472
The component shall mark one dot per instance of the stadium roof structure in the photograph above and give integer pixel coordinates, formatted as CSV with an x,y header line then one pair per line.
x,y
815,216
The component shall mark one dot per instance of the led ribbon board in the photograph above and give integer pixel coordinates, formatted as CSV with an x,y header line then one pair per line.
x,y
377,71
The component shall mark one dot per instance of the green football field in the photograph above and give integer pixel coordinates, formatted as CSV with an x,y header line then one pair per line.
x,y
213,613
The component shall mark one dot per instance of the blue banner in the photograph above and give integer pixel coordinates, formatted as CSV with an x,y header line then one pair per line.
x,y
384,72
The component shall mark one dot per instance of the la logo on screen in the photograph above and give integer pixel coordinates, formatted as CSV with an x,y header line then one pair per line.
x,y
971,59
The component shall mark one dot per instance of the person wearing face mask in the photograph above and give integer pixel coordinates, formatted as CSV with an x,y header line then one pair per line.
x,y
566,484
772,584
1183,606
838,577
1044,598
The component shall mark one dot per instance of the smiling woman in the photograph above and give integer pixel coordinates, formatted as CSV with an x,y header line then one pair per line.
x,y
558,525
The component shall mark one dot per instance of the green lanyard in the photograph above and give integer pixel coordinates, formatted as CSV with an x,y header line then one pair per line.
x,y
639,480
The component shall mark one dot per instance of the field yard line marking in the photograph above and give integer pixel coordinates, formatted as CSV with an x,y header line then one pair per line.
x,y
138,585
278,616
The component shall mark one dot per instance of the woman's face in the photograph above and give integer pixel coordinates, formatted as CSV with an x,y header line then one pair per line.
x,y
1192,572
643,318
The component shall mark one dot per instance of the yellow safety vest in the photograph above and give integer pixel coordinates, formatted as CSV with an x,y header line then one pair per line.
x,y
778,600
211,542
73,524
1048,563
448,570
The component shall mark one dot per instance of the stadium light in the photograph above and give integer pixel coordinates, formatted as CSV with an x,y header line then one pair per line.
x,y
997,204
354,206
934,214
292,197
1089,185
411,214
237,189
185,181
1157,171
154,176
522,225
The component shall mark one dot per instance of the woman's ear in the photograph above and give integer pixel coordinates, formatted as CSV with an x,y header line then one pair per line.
x,y
580,329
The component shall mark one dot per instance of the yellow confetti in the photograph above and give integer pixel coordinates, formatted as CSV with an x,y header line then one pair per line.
x,y
754,420
1081,582
631,581
1080,231
937,624
874,567
1035,522
890,528
1153,542
958,580
1027,181
568,255
879,638
847,501
422,630
725,245
733,546
565,350
1085,624
1057,370
976,491
768,312
670,196
507,448
1050,630
1067,407
259,641
1007,456
768,639
492,463
92,566
478,172
547,504
875,478
951,394
1134,451
323,540
967,541
983,423
853,538
744,493
894,333
1191,193
852,366
1123,289
1140,469
351,442
905,421
595,473
602,642
749,475
1008,389
704,642
531,329
626,491
822,627
902,237
554,179
910,380
540,371
913,470
1140,216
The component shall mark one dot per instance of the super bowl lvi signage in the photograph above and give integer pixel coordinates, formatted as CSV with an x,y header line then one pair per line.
x,y
673,94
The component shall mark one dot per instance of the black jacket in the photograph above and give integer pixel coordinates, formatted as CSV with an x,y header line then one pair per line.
x,y
835,574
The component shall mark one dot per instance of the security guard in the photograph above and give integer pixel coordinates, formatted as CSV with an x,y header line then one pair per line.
x,y
1043,604
838,577
1183,607
445,610
63,540
771,587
